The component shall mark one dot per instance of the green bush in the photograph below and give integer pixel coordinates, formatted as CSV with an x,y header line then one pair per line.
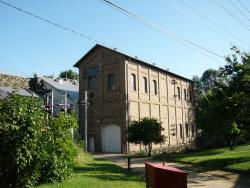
x,y
33,149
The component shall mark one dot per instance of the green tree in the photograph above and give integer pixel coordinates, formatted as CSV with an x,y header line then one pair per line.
x,y
69,74
21,121
225,102
146,132
33,149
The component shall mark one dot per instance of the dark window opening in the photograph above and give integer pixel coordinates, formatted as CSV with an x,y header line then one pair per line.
x,y
155,87
133,82
111,82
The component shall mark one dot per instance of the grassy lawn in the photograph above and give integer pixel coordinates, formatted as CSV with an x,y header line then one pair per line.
x,y
91,173
222,158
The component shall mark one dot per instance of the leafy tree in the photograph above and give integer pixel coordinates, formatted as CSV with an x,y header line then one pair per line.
x,y
69,74
33,149
208,79
224,101
146,132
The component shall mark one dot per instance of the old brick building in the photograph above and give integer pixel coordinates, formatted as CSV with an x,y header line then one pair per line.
x,y
121,89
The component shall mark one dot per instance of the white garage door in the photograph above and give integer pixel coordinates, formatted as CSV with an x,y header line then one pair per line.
x,y
111,139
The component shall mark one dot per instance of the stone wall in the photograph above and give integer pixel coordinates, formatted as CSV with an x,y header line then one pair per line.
x,y
14,81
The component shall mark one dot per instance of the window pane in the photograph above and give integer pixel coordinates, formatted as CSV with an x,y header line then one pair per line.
x,y
133,82
90,72
145,86
187,130
178,93
91,83
111,82
181,133
155,87
185,94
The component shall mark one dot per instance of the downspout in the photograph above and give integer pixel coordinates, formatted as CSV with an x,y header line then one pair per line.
x,y
127,107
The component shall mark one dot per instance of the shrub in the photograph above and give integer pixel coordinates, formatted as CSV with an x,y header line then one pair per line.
x,y
33,149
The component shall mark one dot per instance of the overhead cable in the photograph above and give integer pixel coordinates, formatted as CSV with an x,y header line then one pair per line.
x,y
232,15
162,29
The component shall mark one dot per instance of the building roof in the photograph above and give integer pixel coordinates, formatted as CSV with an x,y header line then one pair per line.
x,y
62,84
130,58
5,91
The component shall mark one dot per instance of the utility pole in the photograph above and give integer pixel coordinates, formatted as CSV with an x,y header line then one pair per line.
x,y
65,102
86,119
52,102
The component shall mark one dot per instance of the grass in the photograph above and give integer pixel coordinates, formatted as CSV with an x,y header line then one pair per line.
x,y
221,158
90,173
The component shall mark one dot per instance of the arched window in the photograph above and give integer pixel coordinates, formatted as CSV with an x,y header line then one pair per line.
x,y
155,87
133,82
145,84
178,93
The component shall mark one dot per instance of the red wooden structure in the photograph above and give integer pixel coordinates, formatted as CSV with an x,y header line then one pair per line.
x,y
159,176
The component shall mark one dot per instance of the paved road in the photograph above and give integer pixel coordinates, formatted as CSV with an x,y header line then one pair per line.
x,y
196,178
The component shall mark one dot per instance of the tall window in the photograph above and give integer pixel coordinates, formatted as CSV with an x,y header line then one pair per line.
x,y
186,126
133,82
111,82
185,94
90,74
145,84
181,132
193,129
91,82
178,93
190,95
155,87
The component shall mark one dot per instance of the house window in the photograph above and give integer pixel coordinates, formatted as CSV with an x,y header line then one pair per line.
x,y
90,74
133,82
155,87
190,95
185,94
186,126
145,84
91,83
111,82
193,130
178,93
181,132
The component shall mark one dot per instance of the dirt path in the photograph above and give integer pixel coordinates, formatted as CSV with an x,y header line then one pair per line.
x,y
196,178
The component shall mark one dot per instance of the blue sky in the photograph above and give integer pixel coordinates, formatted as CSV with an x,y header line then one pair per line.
x,y
28,45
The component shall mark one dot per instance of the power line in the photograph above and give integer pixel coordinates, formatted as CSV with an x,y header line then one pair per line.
x,y
245,7
212,22
92,39
157,27
238,10
52,23
232,15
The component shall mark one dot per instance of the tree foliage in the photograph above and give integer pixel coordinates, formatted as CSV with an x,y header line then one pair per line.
x,y
32,148
223,100
69,74
146,132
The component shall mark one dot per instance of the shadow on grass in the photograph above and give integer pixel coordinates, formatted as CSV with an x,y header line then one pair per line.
x,y
223,163
107,172
217,164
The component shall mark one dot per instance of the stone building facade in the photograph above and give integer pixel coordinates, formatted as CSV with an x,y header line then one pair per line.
x,y
121,89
